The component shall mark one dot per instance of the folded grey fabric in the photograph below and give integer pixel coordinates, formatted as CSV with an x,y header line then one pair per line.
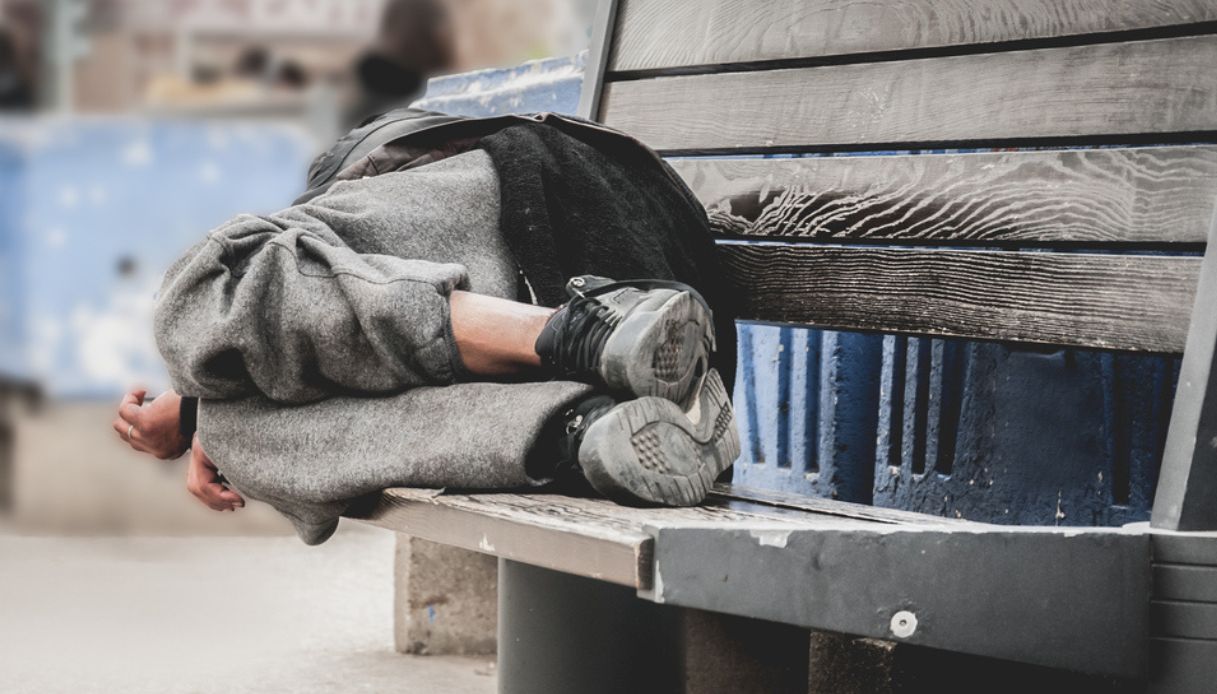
x,y
272,318
310,461
348,293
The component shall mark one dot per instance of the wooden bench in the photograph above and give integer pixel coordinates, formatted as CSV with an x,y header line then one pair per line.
x,y
1090,247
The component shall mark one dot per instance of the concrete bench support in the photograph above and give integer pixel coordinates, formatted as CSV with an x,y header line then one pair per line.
x,y
445,599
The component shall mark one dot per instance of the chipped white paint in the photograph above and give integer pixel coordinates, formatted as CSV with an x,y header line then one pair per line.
x,y
484,545
771,538
657,586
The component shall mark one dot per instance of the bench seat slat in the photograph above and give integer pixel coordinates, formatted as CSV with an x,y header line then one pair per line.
x,y
587,537
844,509
1161,86
732,31
1150,195
1108,301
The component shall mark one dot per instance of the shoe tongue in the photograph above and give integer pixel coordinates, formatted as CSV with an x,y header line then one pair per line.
x,y
546,344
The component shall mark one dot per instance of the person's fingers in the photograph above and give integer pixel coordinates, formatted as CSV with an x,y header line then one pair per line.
x,y
134,397
213,493
201,480
129,434
209,494
131,413
230,497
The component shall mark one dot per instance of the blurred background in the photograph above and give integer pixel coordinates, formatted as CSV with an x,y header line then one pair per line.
x,y
128,129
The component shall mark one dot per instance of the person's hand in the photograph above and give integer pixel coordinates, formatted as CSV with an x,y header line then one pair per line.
x,y
203,480
153,429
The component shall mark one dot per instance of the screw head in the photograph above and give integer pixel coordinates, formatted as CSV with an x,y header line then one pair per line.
x,y
578,282
904,624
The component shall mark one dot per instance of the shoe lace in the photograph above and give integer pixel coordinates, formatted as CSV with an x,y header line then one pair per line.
x,y
589,323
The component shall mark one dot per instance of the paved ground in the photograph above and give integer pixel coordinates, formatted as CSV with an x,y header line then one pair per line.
x,y
234,615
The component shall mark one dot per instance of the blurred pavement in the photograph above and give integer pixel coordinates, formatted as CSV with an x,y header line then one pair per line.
x,y
114,579
236,615
74,475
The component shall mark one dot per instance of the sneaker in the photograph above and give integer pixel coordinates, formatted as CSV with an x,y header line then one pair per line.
x,y
649,450
637,338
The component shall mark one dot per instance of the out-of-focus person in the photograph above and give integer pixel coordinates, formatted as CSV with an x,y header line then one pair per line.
x,y
16,93
415,41
256,74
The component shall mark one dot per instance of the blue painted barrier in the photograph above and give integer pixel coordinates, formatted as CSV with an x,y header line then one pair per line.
x,y
96,209
12,307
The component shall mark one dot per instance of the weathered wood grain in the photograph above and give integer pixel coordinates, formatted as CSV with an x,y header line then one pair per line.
x,y
1160,86
1146,195
734,492
587,537
656,34
1131,302
603,551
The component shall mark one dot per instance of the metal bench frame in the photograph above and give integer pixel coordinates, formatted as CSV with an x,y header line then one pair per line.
x,y
1138,602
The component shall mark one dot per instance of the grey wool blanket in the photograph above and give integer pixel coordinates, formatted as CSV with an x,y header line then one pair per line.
x,y
319,342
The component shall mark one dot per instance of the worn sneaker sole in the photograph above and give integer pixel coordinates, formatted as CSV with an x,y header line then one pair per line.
x,y
649,451
661,350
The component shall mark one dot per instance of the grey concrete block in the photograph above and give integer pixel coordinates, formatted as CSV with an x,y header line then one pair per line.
x,y
446,599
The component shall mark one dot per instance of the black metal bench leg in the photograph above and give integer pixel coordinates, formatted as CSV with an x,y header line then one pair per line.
x,y
561,633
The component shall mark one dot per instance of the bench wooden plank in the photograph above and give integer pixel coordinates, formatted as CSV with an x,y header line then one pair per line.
x,y
595,538
735,31
1073,598
1161,86
844,509
1141,195
1131,302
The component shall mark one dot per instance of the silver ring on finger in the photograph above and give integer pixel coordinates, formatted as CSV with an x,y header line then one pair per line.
x,y
131,431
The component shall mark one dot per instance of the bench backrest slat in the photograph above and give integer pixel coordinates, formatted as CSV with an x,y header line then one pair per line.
x,y
667,34
1065,246
1147,195
1134,302
1161,87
